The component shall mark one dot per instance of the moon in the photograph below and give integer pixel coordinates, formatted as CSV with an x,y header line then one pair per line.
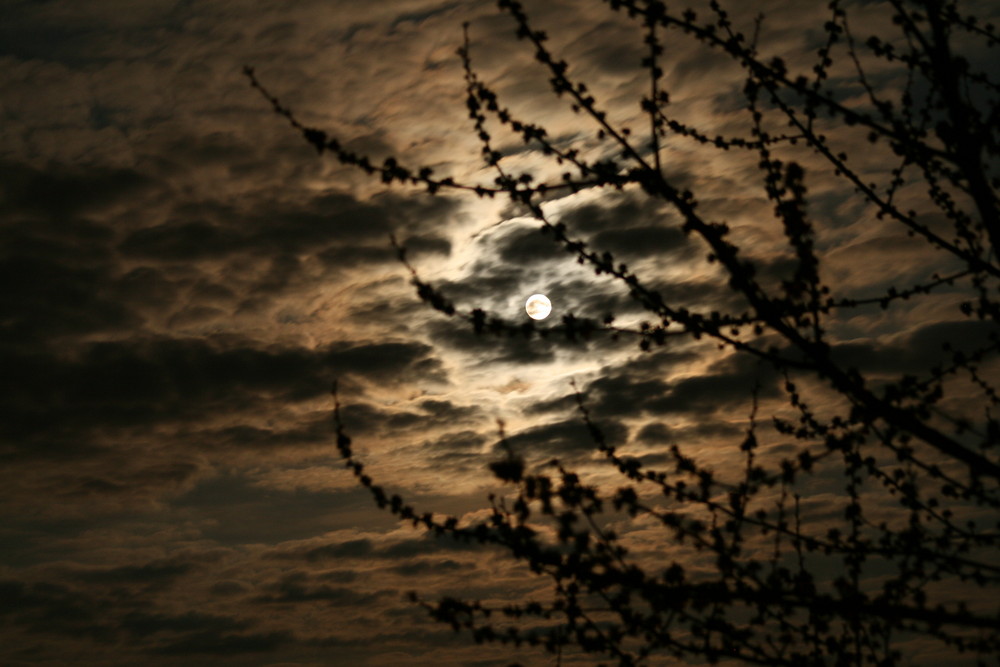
x,y
538,306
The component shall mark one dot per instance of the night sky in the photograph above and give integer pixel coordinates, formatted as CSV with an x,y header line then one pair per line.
x,y
184,278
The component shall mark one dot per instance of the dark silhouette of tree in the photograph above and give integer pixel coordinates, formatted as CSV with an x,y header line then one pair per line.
x,y
910,547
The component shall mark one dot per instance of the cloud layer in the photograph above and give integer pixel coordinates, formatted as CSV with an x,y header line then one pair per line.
x,y
185,279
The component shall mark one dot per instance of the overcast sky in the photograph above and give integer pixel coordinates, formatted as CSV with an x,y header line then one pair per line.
x,y
183,278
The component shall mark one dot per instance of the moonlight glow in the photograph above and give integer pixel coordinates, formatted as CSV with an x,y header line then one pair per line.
x,y
538,306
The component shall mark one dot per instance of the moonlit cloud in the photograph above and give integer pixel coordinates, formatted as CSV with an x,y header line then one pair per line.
x,y
183,280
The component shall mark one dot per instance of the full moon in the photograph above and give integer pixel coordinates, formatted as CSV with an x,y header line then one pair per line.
x,y
538,306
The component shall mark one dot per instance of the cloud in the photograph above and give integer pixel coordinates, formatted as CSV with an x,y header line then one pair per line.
x,y
491,348
215,643
327,222
161,379
185,279
526,246
366,549
55,609
918,349
145,624
153,574
641,242
62,191
238,509
564,438
54,300
425,568
296,587
358,548
725,383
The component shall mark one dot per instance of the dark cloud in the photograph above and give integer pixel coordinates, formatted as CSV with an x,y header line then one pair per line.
x,y
55,608
185,151
492,348
59,271
65,278
920,349
428,545
564,438
237,510
638,389
181,241
155,574
700,294
419,247
628,228
642,242
422,568
564,403
299,587
719,391
431,413
150,285
626,386
216,643
337,227
619,210
656,433
142,624
134,382
365,420
45,299
457,441
61,192
47,609
228,588
622,394
340,576
358,548
487,282
365,549
456,452
631,226
267,439
526,246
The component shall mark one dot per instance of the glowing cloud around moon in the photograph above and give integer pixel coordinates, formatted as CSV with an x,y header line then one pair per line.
x,y
538,306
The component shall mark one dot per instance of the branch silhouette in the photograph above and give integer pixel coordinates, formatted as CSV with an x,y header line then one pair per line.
x,y
920,478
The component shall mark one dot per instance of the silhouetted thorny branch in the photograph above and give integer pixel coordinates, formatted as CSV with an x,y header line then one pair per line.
x,y
751,567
